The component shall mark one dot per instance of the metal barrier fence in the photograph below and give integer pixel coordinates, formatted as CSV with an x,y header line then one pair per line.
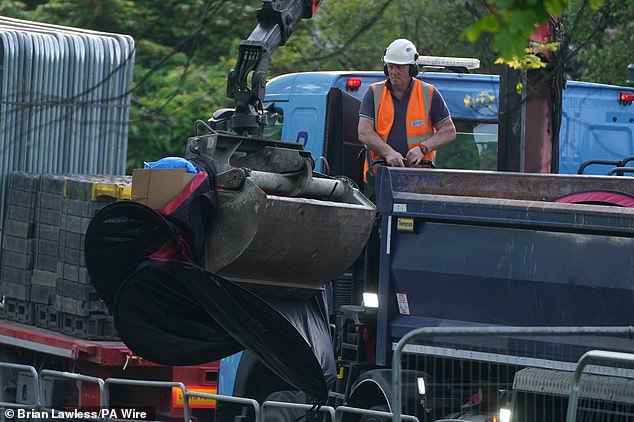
x,y
341,410
328,410
31,403
621,390
486,374
64,99
44,392
39,399
527,371
228,399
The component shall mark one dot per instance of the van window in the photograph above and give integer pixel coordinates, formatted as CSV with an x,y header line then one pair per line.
x,y
272,131
475,147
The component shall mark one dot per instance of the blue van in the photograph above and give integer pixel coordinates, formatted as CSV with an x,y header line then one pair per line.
x,y
320,110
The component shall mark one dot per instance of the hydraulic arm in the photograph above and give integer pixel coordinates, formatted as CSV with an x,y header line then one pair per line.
x,y
276,21
278,223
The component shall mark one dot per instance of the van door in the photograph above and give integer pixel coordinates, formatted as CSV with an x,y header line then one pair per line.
x,y
342,148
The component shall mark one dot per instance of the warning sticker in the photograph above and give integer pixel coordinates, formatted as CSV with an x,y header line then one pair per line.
x,y
405,225
403,306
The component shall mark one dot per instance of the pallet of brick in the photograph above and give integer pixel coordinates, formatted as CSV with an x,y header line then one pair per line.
x,y
82,313
50,197
43,287
84,197
93,327
19,310
46,316
18,246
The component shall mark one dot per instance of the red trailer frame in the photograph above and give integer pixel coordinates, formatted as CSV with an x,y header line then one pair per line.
x,y
42,348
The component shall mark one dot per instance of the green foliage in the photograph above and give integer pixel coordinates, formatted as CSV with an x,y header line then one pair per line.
x,y
186,47
512,22
530,61
348,34
12,8
174,97
601,42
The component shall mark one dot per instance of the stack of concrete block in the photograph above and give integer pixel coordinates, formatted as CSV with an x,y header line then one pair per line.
x,y
48,213
82,313
52,289
18,247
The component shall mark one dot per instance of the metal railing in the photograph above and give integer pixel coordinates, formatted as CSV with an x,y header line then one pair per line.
x,y
328,410
48,373
582,364
471,361
65,99
341,410
40,393
533,371
36,402
105,401
227,399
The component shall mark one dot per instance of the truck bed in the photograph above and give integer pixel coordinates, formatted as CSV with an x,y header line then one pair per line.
x,y
103,353
469,248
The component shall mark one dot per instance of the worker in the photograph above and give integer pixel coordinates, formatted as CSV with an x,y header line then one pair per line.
x,y
402,119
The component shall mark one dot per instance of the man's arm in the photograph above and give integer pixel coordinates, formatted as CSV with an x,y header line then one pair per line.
x,y
369,137
445,134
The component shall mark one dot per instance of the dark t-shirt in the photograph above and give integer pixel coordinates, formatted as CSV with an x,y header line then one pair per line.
x,y
397,138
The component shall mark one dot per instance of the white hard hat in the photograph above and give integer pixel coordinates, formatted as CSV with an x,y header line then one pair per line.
x,y
400,51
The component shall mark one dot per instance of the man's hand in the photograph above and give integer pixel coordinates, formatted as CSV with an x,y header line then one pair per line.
x,y
369,137
414,156
394,159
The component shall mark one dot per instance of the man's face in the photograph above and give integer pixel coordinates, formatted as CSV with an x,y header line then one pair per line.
x,y
398,74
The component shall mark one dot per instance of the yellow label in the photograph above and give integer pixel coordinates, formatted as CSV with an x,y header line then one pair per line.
x,y
340,374
111,190
125,192
405,224
194,402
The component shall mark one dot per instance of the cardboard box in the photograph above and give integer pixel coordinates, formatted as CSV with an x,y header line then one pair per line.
x,y
158,187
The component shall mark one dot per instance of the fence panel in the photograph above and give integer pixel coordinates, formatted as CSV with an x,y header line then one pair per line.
x,y
246,403
14,399
64,100
527,371
592,395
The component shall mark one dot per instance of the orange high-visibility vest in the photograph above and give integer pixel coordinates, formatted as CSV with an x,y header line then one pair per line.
x,y
417,122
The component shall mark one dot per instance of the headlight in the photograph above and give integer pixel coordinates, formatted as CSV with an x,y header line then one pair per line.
x,y
421,386
505,415
370,300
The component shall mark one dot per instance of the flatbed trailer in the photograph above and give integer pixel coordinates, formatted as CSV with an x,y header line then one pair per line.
x,y
45,349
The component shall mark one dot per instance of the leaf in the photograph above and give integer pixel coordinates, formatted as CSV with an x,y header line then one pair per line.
x,y
487,23
554,7
596,4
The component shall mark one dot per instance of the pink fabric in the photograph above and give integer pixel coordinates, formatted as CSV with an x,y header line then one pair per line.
x,y
189,189
599,198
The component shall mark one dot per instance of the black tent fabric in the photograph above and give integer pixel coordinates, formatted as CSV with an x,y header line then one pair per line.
x,y
125,233
169,310
190,316
119,238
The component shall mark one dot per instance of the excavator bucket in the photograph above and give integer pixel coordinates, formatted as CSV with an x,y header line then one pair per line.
x,y
285,242
278,227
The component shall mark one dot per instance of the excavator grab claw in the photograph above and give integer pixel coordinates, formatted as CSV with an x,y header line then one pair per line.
x,y
285,232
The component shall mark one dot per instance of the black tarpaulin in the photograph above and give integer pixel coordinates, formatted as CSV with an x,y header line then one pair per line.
x,y
186,314
169,310
125,233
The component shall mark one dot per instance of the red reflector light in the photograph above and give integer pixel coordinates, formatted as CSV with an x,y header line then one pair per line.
x,y
626,96
353,83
